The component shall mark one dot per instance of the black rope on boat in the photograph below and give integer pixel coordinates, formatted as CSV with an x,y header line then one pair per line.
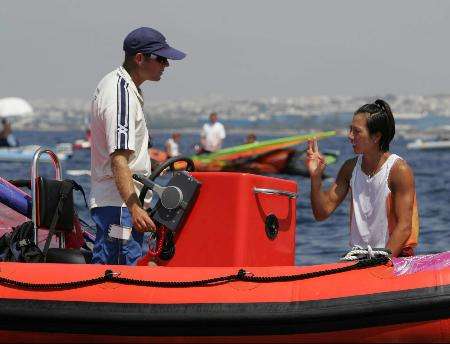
x,y
241,275
51,286
362,264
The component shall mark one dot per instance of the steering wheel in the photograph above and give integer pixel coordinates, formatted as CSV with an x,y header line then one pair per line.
x,y
190,167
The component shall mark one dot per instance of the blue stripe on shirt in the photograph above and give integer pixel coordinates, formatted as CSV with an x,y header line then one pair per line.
x,y
122,114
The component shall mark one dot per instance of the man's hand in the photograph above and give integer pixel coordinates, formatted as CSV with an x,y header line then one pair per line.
x,y
141,220
124,182
315,162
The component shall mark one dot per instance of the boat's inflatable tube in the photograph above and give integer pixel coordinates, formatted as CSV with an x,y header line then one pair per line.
x,y
15,198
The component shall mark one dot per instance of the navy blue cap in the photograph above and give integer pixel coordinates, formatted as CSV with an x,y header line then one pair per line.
x,y
149,41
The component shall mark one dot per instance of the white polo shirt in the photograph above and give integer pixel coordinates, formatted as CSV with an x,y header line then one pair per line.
x,y
213,134
117,122
172,147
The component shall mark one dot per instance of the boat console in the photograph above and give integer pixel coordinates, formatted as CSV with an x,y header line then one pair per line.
x,y
221,218
238,219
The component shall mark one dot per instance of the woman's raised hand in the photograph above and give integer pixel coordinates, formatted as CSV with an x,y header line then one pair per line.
x,y
315,162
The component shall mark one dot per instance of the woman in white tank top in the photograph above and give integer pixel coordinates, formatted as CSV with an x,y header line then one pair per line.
x,y
383,208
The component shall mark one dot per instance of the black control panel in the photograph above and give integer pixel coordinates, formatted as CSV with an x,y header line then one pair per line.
x,y
173,218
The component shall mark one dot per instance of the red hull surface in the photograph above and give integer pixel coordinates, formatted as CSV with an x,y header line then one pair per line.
x,y
370,305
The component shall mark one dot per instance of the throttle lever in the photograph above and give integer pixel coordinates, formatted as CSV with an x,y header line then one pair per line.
x,y
171,196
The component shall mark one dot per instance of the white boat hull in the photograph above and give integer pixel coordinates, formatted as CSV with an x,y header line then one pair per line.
x,y
428,145
26,153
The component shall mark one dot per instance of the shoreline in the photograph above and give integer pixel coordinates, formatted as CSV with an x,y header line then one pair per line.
x,y
260,131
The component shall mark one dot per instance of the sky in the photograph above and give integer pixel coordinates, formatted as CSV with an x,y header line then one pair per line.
x,y
235,48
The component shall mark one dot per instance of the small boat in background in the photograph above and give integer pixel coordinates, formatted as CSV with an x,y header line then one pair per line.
x,y
410,115
276,156
281,161
83,143
429,145
262,157
25,153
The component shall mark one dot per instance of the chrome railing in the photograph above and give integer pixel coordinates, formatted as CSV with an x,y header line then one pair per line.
x,y
275,192
34,176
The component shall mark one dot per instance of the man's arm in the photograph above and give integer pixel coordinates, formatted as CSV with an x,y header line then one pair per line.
x,y
403,191
124,182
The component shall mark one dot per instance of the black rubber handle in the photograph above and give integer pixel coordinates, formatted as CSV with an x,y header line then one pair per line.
x,y
21,183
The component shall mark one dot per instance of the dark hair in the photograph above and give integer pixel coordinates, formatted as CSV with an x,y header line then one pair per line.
x,y
379,119
129,64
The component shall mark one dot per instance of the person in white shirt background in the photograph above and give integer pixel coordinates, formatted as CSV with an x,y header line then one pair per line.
x,y
212,135
172,145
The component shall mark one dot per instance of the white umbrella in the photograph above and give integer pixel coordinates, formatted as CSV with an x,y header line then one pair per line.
x,y
14,107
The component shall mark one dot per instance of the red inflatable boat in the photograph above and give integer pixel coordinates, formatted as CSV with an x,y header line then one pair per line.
x,y
228,275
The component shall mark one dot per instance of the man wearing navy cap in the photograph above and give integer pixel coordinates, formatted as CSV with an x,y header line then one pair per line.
x,y
119,148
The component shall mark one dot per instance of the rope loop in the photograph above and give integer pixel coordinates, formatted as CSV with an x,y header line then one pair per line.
x,y
358,253
241,275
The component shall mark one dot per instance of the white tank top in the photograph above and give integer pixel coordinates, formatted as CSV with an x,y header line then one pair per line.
x,y
368,210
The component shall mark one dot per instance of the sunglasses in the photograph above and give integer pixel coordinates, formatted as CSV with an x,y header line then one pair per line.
x,y
160,59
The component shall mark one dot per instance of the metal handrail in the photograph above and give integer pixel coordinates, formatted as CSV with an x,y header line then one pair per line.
x,y
275,192
34,176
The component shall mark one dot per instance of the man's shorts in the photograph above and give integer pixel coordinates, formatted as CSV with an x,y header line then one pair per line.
x,y
109,250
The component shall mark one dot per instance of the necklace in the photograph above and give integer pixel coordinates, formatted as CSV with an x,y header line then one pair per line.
x,y
372,172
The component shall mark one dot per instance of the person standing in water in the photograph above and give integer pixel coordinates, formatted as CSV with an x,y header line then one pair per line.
x,y
383,208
